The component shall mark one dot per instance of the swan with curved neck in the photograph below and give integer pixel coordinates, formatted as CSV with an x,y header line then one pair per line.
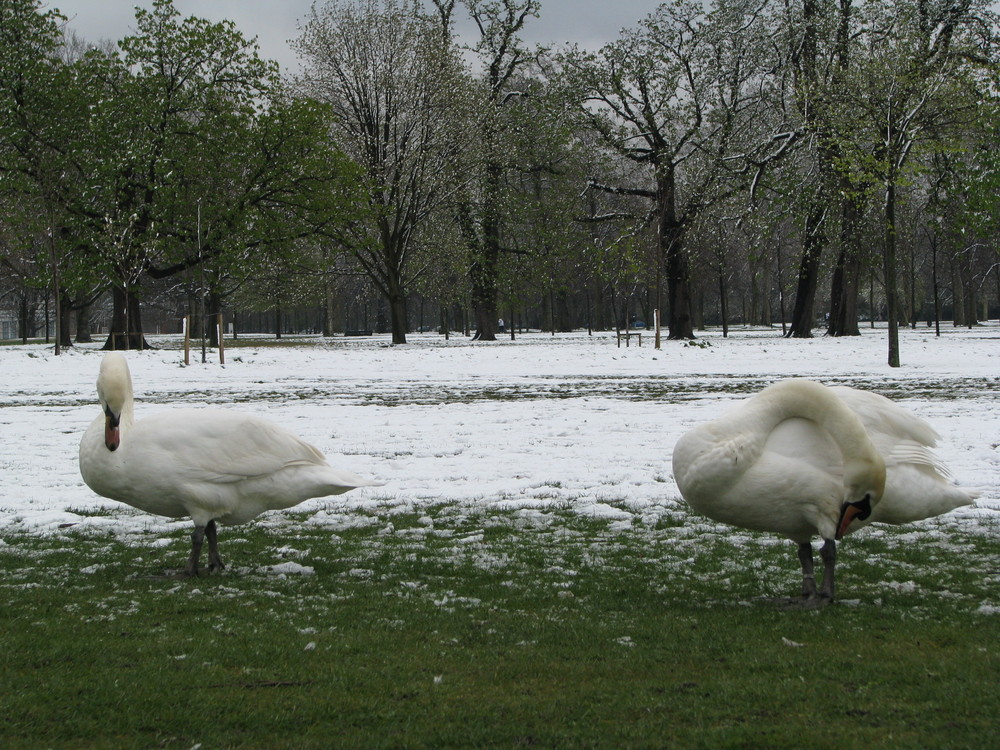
x,y
803,460
213,465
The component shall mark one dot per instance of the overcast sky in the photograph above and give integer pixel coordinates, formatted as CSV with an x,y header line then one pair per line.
x,y
274,22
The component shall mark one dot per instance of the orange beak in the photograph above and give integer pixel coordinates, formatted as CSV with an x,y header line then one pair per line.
x,y
112,435
849,513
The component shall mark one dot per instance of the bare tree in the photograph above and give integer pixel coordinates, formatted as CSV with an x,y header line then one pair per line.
x,y
677,95
395,90
480,216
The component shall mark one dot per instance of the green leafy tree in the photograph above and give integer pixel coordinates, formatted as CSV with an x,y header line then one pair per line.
x,y
916,86
34,111
178,151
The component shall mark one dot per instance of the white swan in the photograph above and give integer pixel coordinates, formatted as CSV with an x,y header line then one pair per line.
x,y
801,459
213,465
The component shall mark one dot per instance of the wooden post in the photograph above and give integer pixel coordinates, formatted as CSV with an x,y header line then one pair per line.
x,y
656,326
222,342
187,339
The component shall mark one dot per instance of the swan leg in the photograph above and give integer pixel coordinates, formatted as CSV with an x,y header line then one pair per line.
x,y
197,538
811,597
214,561
829,554
808,575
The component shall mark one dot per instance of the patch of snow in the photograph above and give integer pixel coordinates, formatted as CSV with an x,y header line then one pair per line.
x,y
289,569
520,428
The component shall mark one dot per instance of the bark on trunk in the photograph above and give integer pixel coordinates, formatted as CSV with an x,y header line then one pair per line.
x,y
484,290
213,306
126,322
675,261
483,275
891,297
803,314
397,317
83,332
65,318
724,304
846,276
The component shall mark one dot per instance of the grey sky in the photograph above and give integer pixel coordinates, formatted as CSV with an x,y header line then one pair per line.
x,y
274,22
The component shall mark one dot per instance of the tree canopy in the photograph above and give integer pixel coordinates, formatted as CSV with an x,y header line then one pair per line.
x,y
809,163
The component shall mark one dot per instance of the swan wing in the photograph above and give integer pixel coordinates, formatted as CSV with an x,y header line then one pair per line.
x,y
884,419
214,445
918,485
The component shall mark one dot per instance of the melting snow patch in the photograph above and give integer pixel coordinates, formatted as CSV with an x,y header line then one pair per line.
x,y
603,510
988,609
289,569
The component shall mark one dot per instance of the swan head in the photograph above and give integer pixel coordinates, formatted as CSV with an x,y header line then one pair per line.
x,y
114,391
864,483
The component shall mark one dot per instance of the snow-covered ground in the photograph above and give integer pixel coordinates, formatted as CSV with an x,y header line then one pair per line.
x,y
570,421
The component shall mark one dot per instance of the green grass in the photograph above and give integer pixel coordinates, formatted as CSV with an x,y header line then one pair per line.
x,y
496,629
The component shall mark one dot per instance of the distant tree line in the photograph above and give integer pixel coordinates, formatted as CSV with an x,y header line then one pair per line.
x,y
803,163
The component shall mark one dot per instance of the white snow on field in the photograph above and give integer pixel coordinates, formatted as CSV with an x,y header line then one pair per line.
x,y
571,421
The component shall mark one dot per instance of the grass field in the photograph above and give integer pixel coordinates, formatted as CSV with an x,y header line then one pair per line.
x,y
522,628
527,576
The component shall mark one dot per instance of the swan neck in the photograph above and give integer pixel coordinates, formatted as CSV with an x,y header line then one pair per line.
x,y
808,400
114,388
127,416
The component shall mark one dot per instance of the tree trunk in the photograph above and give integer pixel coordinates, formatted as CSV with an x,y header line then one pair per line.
x,y
724,303
484,290
971,314
803,314
83,332
397,316
563,319
846,276
935,291
25,320
329,307
483,275
65,317
675,261
891,298
126,322
213,308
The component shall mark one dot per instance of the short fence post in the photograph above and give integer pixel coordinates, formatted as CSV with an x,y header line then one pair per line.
x,y
222,344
